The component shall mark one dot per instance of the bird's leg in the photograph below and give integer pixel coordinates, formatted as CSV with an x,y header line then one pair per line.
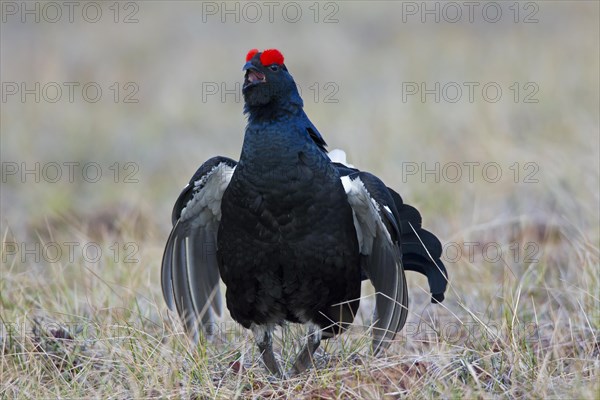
x,y
305,357
263,335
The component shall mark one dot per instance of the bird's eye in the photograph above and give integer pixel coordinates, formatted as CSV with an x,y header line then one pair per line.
x,y
274,67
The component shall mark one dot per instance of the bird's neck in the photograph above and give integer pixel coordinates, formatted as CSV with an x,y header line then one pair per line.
x,y
276,109
277,141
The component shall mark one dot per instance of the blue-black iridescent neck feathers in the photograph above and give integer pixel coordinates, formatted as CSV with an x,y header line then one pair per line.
x,y
271,94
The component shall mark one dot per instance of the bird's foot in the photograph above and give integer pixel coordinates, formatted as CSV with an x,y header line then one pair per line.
x,y
271,363
305,358
263,334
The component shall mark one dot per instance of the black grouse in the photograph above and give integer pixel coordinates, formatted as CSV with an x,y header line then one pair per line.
x,y
291,232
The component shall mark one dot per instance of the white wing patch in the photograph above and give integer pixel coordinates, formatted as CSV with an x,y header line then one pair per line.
x,y
339,156
205,205
365,210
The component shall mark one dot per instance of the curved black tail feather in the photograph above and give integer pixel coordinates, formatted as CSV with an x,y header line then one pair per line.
x,y
421,249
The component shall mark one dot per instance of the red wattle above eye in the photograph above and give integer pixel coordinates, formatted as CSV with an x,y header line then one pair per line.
x,y
271,56
251,54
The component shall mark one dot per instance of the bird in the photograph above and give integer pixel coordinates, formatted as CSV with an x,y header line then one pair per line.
x,y
292,231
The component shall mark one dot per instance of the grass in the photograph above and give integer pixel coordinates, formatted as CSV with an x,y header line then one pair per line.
x,y
92,323
99,329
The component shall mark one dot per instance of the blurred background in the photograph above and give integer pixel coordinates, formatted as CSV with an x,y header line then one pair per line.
x,y
363,69
484,117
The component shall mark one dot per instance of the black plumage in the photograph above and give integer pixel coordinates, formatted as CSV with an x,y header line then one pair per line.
x,y
290,232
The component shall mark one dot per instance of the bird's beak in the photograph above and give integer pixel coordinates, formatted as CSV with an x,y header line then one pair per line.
x,y
248,66
253,75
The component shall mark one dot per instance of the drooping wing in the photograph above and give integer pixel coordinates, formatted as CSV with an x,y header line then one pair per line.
x,y
421,249
377,231
190,273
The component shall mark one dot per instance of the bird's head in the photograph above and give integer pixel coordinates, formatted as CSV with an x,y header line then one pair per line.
x,y
267,81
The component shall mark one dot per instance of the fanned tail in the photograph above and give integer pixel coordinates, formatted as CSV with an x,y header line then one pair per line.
x,y
421,249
